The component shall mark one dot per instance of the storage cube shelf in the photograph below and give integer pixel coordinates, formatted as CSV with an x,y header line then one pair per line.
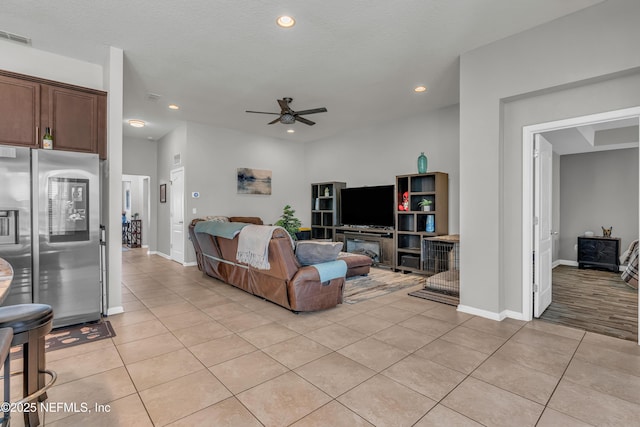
x,y
325,205
411,225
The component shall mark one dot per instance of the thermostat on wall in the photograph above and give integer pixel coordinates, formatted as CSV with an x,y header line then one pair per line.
x,y
195,194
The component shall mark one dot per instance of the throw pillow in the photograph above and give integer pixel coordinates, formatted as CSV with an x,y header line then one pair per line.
x,y
310,252
217,218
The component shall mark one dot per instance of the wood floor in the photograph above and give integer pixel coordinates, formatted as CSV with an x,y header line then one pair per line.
x,y
593,300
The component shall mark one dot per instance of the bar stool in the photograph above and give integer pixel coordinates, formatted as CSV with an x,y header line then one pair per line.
x,y
6,335
30,324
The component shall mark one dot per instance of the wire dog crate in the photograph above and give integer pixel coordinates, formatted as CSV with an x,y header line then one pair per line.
x,y
441,261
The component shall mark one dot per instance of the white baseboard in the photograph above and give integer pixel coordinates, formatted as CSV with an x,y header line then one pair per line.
x,y
490,314
568,262
512,315
163,255
479,312
115,310
190,264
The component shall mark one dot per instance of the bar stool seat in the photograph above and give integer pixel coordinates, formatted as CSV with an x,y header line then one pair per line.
x,y
6,335
30,324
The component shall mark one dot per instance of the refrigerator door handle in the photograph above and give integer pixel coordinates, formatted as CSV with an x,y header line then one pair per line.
x,y
35,227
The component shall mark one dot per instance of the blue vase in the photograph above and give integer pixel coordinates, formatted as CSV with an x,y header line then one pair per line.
x,y
422,163
431,225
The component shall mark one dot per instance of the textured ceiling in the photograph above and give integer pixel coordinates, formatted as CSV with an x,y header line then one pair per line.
x,y
359,59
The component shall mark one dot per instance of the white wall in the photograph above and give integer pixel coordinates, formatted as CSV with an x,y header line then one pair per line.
x,y
375,155
576,65
38,63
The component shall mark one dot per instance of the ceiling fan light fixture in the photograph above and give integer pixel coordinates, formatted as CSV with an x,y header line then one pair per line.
x,y
290,131
137,123
287,119
285,21
420,89
174,107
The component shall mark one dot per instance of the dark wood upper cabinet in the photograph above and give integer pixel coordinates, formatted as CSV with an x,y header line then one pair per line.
x,y
77,116
19,112
72,117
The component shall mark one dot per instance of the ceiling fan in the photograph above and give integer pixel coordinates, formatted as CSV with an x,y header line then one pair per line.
x,y
288,116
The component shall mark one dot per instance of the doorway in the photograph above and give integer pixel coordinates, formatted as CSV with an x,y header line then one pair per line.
x,y
136,204
530,280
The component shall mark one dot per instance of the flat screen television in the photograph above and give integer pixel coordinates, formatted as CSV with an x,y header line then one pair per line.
x,y
367,206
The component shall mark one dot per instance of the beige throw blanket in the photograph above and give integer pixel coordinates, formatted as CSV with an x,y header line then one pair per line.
x,y
253,245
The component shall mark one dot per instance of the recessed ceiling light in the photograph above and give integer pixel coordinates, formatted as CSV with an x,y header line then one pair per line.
x,y
290,131
420,89
173,107
137,123
285,21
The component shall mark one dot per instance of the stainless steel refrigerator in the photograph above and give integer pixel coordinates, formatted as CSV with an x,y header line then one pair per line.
x,y
49,230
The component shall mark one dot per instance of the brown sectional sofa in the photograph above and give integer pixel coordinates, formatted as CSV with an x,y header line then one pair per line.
x,y
286,283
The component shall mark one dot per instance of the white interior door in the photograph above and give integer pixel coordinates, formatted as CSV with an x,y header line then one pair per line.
x,y
542,225
176,200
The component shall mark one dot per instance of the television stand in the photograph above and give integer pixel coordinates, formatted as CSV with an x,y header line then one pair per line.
x,y
375,242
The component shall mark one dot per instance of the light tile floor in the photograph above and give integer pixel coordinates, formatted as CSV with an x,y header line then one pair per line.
x,y
191,351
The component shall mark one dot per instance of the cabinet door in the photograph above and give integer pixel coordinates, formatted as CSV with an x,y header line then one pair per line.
x,y
73,118
19,112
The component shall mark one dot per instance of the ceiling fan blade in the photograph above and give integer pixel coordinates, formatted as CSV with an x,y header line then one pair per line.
x,y
305,121
312,111
260,112
283,104
275,121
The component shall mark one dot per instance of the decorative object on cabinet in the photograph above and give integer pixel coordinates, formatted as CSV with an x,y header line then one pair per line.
x,y
404,204
599,252
422,163
289,222
254,181
325,210
606,232
413,224
425,204
163,193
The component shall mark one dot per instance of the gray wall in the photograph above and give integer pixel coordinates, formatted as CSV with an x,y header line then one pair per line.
x,y
598,189
580,64
175,142
555,208
212,159
375,155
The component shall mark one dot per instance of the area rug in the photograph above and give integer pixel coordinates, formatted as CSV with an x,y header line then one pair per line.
x,y
377,283
72,336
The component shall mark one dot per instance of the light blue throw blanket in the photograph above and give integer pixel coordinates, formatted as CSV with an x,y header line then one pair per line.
x,y
331,270
228,230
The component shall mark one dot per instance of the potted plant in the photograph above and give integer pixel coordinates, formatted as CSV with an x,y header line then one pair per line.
x,y
425,204
289,222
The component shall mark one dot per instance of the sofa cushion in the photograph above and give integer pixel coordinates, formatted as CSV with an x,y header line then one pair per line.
x,y
310,252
